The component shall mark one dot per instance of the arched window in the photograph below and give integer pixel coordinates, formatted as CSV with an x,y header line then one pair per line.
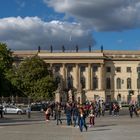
x,y
118,81
83,81
128,83
95,83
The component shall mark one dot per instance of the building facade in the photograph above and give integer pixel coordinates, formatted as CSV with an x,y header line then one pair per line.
x,y
95,75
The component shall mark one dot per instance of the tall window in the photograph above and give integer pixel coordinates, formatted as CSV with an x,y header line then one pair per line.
x,y
108,83
70,82
95,68
138,83
58,80
83,82
82,68
138,69
69,68
118,81
57,68
128,83
95,83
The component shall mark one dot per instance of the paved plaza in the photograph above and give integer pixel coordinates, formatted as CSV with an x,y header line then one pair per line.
x,y
106,128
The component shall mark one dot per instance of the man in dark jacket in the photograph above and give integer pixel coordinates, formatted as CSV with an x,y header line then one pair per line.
x,y
58,114
1,111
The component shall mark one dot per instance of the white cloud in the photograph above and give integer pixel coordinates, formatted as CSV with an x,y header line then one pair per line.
x,y
102,15
30,32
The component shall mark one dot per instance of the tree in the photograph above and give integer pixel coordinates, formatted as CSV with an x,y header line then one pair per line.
x,y
6,61
45,88
34,77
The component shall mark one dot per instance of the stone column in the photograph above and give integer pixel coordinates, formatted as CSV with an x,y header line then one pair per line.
x,y
102,77
77,76
89,77
64,75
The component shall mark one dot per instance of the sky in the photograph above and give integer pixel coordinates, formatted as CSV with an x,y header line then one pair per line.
x,y
27,24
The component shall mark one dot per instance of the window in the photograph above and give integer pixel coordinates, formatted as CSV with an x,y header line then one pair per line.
x,y
108,69
95,83
138,69
69,68
128,83
128,69
57,68
95,68
82,68
118,81
83,82
138,83
118,69
108,83
57,79
70,82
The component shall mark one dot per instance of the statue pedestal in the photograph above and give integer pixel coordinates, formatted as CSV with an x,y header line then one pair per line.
x,y
57,97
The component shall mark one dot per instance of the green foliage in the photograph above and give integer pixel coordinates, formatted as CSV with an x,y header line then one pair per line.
x,y
5,58
30,78
35,80
44,88
5,64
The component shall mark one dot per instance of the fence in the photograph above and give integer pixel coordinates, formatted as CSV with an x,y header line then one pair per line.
x,y
15,100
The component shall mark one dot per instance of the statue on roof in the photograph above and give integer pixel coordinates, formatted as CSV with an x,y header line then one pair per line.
x,y
51,48
77,48
102,49
63,48
89,48
39,48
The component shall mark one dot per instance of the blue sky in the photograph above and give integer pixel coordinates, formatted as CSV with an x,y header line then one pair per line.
x,y
26,24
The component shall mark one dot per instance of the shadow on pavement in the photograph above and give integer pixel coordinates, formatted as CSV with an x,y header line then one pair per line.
x,y
99,130
105,125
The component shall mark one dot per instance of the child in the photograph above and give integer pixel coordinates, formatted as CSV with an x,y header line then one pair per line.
x,y
48,113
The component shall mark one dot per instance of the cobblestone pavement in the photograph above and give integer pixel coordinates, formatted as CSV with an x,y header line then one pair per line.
x,y
106,128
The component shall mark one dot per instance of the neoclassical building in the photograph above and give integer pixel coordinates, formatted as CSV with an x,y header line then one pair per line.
x,y
106,75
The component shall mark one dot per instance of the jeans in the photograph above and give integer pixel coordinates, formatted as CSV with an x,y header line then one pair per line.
x,y
68,119
82,122
76,120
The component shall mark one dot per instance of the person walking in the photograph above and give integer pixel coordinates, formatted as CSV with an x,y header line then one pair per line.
x,y
131,110
75,113
58,115
91,116
48,113
68,112
82,119
1,111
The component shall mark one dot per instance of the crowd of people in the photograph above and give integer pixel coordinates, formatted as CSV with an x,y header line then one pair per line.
x,y
81,115
77,114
